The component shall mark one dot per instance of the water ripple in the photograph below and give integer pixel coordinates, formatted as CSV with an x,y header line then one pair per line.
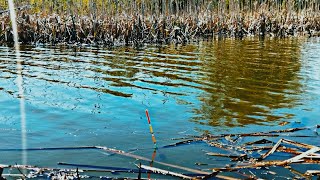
x,y
224,82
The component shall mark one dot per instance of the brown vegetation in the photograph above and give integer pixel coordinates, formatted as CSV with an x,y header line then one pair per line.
x,y
157,21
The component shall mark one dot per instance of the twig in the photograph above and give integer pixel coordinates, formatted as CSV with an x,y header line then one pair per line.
x,y
303,155
274,148
78,177
139,175
25,177
1,171
298,144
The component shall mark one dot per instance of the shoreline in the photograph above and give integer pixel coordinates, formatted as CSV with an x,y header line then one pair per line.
x,y
136,30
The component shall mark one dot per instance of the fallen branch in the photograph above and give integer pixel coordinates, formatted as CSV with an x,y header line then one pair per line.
x,y
147,159
274,148
303,155
298,144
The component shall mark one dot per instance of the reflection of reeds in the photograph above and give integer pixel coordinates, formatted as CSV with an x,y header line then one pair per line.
x,y
112,22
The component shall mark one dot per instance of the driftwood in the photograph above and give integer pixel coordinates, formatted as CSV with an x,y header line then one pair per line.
x,y
274,148
240,156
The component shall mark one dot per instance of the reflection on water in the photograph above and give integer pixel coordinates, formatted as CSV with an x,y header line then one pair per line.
x,y
248,80
236,82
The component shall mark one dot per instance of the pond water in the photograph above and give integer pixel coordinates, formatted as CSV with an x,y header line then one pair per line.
x,y
97,96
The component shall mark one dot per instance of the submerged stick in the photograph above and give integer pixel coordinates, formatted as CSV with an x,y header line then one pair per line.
x,y
52,148
105,168
147,159
234,157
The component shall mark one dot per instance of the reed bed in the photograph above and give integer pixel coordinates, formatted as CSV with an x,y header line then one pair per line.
x,y
117,22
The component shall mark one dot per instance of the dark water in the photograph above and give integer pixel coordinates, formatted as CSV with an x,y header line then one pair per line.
x,y
95,96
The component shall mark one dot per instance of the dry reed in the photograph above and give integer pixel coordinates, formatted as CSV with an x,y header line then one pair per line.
x,y
119,22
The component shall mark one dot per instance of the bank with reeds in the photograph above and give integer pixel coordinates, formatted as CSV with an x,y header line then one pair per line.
x,y
130,22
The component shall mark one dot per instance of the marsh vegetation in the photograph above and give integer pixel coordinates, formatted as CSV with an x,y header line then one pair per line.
x,y
119,22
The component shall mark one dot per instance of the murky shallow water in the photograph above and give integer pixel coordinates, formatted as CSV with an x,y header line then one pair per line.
x,y
92,96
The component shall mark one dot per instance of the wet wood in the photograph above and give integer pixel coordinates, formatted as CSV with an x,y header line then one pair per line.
x,y
274,148
147,159
164,172
303,155
239,153
298,144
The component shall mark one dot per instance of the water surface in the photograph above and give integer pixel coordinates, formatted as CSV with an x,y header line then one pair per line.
x,y
97,96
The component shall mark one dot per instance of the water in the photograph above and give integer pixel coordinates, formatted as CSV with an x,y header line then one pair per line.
x,y
95,96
